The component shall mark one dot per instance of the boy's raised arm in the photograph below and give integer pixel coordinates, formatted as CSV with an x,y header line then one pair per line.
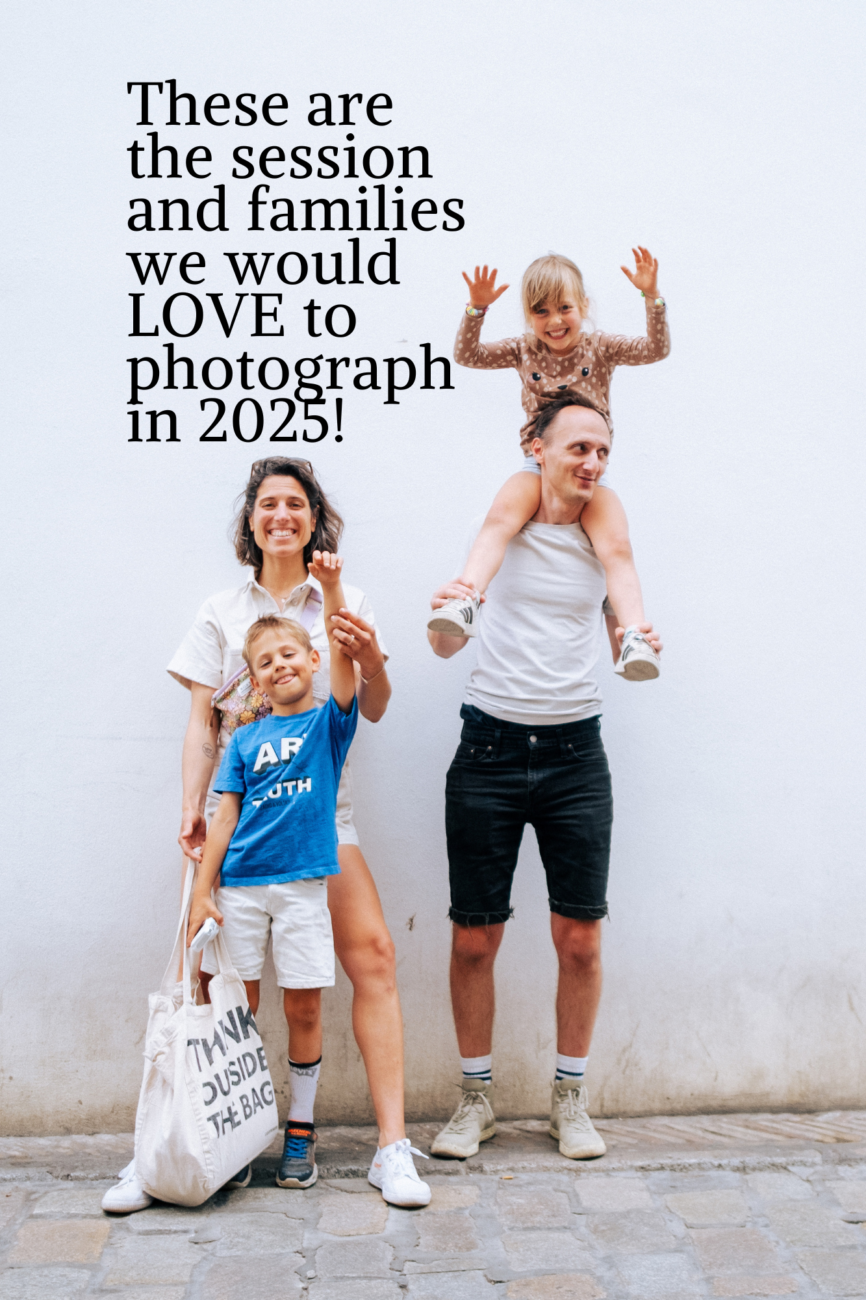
x,y
326,568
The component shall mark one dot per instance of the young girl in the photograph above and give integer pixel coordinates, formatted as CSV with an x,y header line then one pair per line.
x,y
558,359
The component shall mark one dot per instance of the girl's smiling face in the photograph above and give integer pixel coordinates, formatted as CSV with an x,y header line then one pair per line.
x,y
558,324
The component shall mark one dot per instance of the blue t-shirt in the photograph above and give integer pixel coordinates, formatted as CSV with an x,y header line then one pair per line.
x,y
287,769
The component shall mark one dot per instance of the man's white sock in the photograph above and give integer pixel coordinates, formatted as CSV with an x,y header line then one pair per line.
x,y
570,1067
477,1067
304,1080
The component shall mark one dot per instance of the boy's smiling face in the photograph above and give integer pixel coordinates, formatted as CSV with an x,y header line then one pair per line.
x,y
283,669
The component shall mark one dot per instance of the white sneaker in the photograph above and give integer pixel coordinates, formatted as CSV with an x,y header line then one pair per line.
x,y
638,662
394,1173
128,1195
570,1124
456,617
473,1122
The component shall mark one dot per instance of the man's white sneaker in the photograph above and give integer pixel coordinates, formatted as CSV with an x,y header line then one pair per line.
x,y
638,662
472,1122
128,1195
456,617
570,1124
394,1173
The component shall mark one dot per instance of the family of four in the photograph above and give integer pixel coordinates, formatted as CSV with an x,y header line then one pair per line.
x,y
267,807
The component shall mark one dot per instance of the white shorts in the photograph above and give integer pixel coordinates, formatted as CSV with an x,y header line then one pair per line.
x,y
346,833
296,913
531,465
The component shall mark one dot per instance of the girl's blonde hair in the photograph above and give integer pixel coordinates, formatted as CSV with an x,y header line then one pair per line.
x,y
554,277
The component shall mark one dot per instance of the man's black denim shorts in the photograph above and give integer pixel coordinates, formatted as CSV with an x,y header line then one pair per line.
x,y
505,776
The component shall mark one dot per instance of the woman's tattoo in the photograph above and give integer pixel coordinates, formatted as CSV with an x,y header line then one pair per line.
x,y
208,751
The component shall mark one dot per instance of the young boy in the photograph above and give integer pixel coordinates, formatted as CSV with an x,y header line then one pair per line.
x,y
273,843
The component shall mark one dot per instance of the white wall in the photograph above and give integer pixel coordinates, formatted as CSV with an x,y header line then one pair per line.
x,y
728,139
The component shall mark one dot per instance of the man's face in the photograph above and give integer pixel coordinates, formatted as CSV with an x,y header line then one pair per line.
x,y
575,453
282,668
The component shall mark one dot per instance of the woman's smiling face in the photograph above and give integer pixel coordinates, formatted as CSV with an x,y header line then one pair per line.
x,y
558,324
281,520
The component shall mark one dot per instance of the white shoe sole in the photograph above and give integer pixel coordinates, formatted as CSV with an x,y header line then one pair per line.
x,y
296,1182
450,626
412,1202
586,1152
462,1153
639,670
127,1209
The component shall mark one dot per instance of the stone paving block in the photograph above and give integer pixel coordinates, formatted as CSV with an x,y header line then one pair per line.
x,y
294,1203
850,1195
448,1196
352,1216
153,1293
811,1225
519,1207
706,1209
165,1218
43,1283
766,1284
450,1286
371,1288
446,1264
530,1251
59,1243
660,1277
613,1194
154,1261
354,1259
270,1278
837,1272
12,1201
257,1234
636,1232
780,1187
76,1202
556,1286
734,1250
451,1231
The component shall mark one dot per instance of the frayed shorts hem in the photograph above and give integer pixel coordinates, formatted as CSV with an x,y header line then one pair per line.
x,y
479,918
575,913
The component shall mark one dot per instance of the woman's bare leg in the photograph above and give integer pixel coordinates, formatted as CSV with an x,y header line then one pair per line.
x,y
366,953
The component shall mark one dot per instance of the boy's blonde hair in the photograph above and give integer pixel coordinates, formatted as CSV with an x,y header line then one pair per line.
x,y
275,622
553,277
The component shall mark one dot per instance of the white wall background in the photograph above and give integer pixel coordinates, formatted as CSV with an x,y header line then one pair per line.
x,y
728,139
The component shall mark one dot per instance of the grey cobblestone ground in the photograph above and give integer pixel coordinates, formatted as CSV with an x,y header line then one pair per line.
x,y
746,1206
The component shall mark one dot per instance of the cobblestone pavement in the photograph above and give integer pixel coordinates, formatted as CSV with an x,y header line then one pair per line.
x,y
702,1206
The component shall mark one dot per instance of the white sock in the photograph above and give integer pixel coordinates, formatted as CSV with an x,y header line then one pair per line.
x,y
570,1067
304,1080
477,1067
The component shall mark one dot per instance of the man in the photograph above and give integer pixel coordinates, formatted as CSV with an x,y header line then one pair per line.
x,y
531,752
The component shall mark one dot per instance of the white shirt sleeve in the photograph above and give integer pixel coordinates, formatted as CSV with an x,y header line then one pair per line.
x,y
199,657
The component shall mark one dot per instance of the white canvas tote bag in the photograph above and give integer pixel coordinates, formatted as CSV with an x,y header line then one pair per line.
x,y
207,1106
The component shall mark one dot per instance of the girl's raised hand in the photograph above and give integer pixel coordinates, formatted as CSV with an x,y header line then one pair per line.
x,y
645,274
482,290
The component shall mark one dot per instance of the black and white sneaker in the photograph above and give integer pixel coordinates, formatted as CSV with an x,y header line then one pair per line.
x,y
456,617
298,1165
241,1179
638,662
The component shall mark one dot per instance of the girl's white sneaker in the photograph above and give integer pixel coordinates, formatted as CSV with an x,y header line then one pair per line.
x,y
393,1172
128,1195
456,617
638,662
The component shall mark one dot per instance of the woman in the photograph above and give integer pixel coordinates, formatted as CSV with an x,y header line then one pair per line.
x,y
283,518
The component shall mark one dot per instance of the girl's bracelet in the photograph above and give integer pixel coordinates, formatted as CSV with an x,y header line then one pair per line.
x,y
367,680
475,311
